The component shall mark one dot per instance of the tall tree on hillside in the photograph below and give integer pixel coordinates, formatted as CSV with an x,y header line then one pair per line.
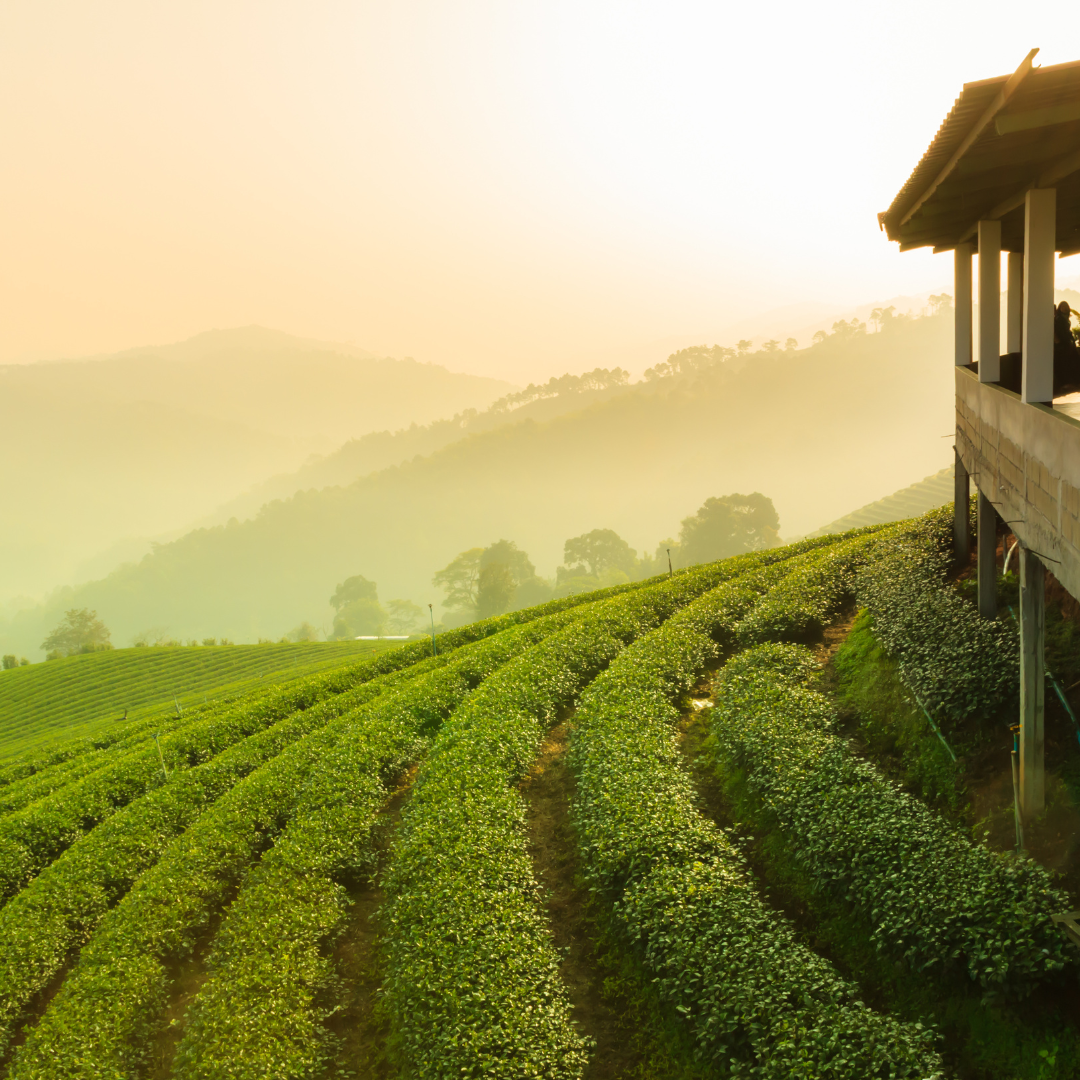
x,y
459,580
486,580
359,613
404,616
594,552
355,588
726,526
495,590
79,631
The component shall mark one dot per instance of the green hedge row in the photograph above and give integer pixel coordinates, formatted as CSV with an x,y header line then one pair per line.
x,y
804,602
348,674
32,837
331,786
473,986
926,895
757,1002
63,905
261,1011
957,662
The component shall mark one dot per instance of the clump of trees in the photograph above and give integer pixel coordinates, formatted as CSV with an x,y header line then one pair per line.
x,y
358,612
10,662
596,560
80,631
487,581
725,526
482,582
597,379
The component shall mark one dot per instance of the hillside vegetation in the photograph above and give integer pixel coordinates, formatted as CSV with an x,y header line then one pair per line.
x,y
102,454
383,449
84,695
817,431
235,903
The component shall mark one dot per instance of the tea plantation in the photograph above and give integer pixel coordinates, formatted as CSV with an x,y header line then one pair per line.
x,y
86,695
347,874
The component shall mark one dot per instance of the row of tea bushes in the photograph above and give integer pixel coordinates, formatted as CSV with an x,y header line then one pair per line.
x,y
101,1022
756,1001
924,893
955,661
473,986
272,985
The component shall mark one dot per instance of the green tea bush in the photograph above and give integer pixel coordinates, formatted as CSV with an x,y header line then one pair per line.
x,y
757,1001
924,893
473,986
330,786
262,1010
955,661
61,908
800,606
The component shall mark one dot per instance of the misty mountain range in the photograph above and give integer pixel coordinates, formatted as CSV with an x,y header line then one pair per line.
x,y
819,430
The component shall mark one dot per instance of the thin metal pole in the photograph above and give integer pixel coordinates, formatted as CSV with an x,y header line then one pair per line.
x,y
161,757
1016,787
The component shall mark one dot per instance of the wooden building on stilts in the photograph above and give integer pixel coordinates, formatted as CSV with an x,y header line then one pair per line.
x,y
1003,175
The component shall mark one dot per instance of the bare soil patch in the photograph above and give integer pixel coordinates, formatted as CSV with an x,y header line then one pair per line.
x,y
359,1024
548,789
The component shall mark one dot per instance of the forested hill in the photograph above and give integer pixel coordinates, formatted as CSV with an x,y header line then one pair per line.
x,y
820,431
381,449
112,450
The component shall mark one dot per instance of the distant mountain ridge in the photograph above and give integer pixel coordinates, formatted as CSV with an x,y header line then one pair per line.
x,y
99,452
818,431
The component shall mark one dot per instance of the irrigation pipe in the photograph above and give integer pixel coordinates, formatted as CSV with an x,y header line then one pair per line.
x,y
1016,788
926,713
161,757
1005,568
1057,686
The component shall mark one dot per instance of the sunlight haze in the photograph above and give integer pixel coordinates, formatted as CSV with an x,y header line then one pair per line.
x,y
511,190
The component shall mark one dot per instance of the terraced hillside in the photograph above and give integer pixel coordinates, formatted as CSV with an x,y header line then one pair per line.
x,y
87,695
511,859
928,494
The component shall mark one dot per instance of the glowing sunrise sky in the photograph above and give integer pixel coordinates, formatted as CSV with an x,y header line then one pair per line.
x,y
507,187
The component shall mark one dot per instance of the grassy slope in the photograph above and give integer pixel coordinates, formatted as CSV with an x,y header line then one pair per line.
x,y
80,694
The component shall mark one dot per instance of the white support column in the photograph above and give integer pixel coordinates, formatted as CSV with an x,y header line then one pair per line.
x,y
1040,228
1014,313
961,522
962,288
989,301
1032,683
986,550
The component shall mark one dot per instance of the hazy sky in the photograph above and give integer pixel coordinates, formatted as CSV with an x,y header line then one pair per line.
x,y
505,186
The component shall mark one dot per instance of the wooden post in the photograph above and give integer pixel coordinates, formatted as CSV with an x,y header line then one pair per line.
x,y
1014,312
1040,214
961,526
990,301
962,288
1032,683
987,555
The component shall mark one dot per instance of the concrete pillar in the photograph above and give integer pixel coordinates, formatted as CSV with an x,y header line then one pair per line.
x,y
1032,683
990,301
987,555
1040,229
1014,301
961,524
962,288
